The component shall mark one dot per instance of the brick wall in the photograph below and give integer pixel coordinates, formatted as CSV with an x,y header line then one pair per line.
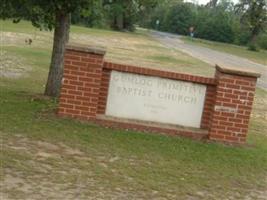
x,y
232,105
208,107
227,106
81,82
103,92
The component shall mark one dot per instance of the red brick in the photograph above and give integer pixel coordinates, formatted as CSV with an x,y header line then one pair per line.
x,y
233,129
65,86
71,67
92,85
219,118
78,73
230,91
85,79
247,88
216,136
227,80
232,86
223,99
241,125
70,77
224,123
225,114
82,108
230,105
231,96
231,138
241,82
243,116
88,113
76,53
78,63
244,107
74,102
72,111
82,98
236,120
64,105
78,83
72,57
75,92
67,96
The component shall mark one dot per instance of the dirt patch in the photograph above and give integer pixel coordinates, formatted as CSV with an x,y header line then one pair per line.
x,y
257,194
12,66
39,39
43,170
260,107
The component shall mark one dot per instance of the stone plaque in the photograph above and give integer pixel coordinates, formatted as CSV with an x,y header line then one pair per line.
x,y
155,99
225,109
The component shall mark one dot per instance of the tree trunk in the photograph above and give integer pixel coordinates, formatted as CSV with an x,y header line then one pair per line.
x,y
61,37
119,21
254,34
253,38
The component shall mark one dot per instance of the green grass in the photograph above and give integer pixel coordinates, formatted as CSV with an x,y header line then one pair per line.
x,y
160,163
21,27
136,48
259,57
147,166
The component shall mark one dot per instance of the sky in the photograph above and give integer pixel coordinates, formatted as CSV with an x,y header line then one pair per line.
x,y
205,1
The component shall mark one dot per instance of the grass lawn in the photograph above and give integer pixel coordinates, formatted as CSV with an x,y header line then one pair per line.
x,y
126,48
258,57
46,157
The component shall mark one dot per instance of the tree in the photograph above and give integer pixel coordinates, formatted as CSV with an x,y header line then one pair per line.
x,y
95,16
212,3
124,13
217,27
216,23
180,18
253,15
47,14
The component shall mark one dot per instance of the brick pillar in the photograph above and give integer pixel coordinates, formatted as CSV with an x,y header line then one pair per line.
x,y
81,81
233,104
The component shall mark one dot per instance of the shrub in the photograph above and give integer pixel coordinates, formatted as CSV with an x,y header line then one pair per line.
x,y
252,47
180,18
262,41
216,26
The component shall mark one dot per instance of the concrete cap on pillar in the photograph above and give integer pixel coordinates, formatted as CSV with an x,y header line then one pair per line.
x,y
86,48
237,71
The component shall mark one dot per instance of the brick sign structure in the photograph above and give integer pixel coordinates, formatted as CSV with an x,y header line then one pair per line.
x,y
151,100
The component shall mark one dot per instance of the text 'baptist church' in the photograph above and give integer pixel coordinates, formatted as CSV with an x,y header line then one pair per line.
x,y
143,87
156,99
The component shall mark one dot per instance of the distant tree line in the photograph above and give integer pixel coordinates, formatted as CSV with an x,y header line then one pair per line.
x,y
120,15
219,20
222,21
242,24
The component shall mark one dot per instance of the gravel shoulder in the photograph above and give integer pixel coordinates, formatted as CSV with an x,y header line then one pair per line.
x,y
212,57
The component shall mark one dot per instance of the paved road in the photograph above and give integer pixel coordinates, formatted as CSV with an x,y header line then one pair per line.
x,y
212,56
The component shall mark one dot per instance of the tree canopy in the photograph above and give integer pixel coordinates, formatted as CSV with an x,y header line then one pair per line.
x,y
47,14
40,12
253,16
218,20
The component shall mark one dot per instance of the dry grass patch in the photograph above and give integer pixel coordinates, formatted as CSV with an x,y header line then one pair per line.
x,y
12,66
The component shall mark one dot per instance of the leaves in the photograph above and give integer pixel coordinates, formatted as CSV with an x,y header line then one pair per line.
x,y
40,12
253,15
